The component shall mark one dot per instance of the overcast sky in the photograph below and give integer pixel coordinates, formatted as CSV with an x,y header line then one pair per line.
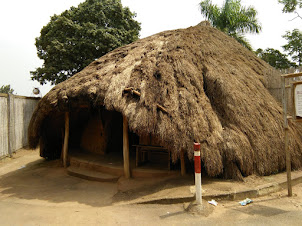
x,y
21,22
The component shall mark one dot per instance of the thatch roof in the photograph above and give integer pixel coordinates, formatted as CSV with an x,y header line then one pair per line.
x,y
195,84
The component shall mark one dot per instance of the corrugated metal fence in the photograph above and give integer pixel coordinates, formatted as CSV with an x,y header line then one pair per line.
x,y
15,115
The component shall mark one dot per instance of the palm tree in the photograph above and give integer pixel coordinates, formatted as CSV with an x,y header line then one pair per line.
x,y
232,18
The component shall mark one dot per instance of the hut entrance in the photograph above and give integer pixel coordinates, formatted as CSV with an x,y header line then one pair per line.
x,y
97,131
97,139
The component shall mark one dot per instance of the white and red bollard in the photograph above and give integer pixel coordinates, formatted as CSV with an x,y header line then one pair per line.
x,y
197,165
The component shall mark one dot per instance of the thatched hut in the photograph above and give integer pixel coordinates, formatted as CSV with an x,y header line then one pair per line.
x,y
180,86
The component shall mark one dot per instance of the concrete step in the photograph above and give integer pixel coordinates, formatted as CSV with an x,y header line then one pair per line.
x,y
103,167
115,168
90,174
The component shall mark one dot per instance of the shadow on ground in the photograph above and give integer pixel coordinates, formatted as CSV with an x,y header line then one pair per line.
x,y
49,181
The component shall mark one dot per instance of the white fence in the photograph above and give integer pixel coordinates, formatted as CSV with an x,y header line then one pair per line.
x,y
15,115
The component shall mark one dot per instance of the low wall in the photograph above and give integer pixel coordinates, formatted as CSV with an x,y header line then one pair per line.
x,y
15,115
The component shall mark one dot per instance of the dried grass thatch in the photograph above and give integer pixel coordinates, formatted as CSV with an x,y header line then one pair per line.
x,y
194,84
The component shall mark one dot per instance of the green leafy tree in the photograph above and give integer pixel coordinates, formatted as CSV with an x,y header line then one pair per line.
x,y
294,45
232,18
275,58
72,40
291,5
6,89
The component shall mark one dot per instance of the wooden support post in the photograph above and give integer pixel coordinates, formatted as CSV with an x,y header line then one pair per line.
x,y
137,160
126,147
66,137
169,160
182,163
288,164
286,143
41,145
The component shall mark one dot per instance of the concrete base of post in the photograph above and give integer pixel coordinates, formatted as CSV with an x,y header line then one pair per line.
x,y
204,209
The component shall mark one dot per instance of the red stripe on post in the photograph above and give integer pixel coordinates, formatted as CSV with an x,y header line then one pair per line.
x,y
197,162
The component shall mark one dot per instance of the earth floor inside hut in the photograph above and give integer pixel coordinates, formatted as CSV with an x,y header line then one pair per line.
x,y
113,164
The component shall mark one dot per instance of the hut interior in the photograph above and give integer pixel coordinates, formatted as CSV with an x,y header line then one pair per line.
x,y
99,132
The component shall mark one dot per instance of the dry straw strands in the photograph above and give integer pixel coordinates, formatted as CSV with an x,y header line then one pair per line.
x,y
210,88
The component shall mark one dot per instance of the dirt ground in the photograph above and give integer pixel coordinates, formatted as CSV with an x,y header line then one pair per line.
x,y
34,191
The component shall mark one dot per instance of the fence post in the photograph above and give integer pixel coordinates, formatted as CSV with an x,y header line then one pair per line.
x,y
286,141
10,124
197,164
